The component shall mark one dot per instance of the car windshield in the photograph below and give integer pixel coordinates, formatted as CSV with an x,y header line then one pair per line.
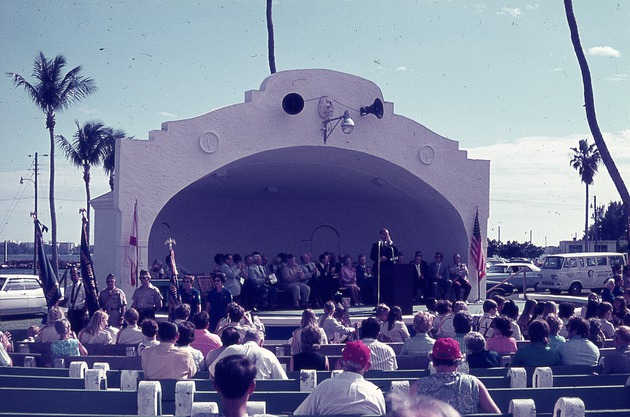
x,y
552,262
2,281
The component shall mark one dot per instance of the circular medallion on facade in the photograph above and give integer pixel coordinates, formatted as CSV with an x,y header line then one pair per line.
x,y
426,154
209,142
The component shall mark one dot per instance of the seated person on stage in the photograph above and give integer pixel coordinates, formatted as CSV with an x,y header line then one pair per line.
x,y
149,332
229,337
252,348
234,381
421,273
186,336
204,340
618,362
68,344
348,277
365,280
458,274
478,355
309,356
578,350
167,361
394,329
260,294
466,393
312,279
438,280
382,356
349,392
421,343
536,352
132,334
95,332
293,281
502,341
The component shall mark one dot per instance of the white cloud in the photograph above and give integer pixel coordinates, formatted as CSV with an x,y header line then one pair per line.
x,y
607,51
401,68
514,12
167,114
532,6
479,7
557,69
533,187
618,77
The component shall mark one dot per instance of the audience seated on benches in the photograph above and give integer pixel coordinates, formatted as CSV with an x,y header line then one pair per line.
x,y
349,392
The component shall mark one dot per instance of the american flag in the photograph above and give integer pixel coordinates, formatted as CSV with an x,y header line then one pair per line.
x,y
476,250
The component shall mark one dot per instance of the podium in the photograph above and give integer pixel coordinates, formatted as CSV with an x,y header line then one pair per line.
x,y
397,286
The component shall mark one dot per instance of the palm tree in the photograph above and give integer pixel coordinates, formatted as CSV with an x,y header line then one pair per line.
x,y
585,160
589,105
54,92
270,39
109,160
87,150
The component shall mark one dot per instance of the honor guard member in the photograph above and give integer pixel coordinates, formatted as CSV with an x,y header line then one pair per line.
x,y
113,301
147,299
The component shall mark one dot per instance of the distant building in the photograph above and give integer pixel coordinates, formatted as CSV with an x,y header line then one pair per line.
x,y
66,248
577,246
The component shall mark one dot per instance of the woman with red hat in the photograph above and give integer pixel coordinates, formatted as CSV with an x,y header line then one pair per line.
x,y
466,393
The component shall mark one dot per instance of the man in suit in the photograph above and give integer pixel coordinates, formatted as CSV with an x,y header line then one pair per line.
x,y
439,281
384,254
420,277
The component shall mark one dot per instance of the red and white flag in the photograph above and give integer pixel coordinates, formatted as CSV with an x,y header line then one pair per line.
x,y
133,248
476,250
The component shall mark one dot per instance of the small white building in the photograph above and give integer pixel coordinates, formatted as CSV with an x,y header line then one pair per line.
x,y
257,176
578,246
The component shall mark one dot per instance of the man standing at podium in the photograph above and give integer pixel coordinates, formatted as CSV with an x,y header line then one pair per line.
x,y
384,254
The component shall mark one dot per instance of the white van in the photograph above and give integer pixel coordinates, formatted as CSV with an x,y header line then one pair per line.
x,y
573,272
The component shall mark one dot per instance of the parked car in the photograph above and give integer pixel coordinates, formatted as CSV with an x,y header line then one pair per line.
x,y
21,294
499,272
504,290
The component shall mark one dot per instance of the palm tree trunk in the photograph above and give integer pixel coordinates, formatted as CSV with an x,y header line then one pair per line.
x,y
270,40
586,223
589,103
86,179
50,123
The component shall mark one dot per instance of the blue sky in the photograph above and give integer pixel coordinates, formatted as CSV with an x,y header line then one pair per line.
x,y
500,77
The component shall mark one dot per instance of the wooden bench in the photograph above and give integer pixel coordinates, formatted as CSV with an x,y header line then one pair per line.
x,y
67,401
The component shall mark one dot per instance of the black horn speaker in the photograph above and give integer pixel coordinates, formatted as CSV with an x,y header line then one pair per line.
x,y
376,109
292,104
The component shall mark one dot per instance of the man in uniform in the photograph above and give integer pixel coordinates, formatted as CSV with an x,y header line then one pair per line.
x,y
75,301
147,299
113,301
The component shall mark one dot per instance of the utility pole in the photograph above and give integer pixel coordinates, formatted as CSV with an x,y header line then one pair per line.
x,y
34,214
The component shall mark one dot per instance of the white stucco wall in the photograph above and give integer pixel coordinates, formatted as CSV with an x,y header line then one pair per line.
x,y
252,177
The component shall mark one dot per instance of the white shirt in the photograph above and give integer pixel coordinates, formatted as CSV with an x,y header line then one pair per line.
x,y
348,393
267,365
382,356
